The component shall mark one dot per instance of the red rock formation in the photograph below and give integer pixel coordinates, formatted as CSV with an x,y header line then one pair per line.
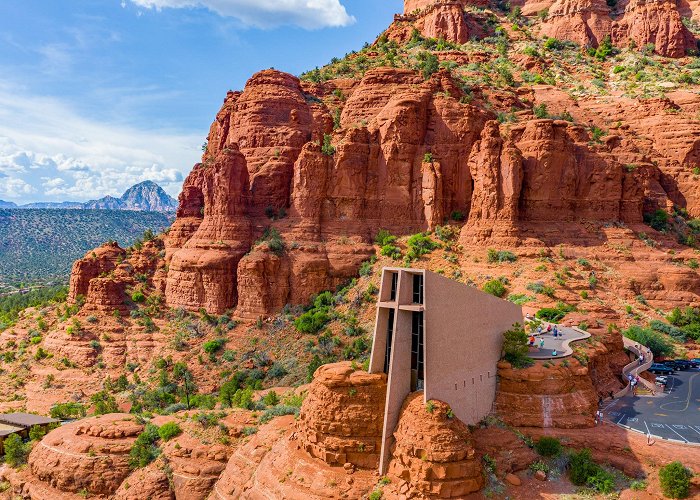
x,y
151,483
90,454
342,417
97,262
433,456
585,22
546,396
269,465
657,23
588,22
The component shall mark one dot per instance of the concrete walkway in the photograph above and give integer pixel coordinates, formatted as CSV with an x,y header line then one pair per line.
x,y
561,342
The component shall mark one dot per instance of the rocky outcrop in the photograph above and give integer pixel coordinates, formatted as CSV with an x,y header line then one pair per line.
x,y
342,417
544,171
433,455
635,23
98,262
270,465
90,454
656,23
585,22
150,482
561,396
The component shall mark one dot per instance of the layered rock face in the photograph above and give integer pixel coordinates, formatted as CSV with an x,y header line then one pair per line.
x,y
545,171
588,22
342,417
264,167
91,454
539,396
433,456
97,262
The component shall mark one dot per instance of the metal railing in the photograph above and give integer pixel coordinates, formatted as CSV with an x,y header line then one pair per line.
x,y
634,368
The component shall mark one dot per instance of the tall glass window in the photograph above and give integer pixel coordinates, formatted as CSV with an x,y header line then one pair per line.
x,y
394,285
389,337
417,351
417,288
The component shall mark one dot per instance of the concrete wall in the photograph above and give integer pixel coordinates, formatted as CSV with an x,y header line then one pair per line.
x,y
463,342
463,336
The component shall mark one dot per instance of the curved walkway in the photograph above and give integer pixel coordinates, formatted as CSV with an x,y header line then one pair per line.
x,y
634,368
560,343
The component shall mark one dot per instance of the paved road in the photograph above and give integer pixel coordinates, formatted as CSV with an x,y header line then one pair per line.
x,y
674,415
560,343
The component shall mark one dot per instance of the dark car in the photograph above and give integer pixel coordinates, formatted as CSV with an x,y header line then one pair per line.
x,y
684,364
662,369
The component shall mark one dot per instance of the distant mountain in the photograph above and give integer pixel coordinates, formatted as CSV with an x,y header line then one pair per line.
x,y
149,196
53,205
40,245
146,196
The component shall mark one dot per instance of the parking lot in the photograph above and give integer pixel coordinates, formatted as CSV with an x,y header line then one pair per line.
x,y
674,416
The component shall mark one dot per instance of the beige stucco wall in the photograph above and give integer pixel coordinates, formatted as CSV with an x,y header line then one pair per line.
x,y
463,342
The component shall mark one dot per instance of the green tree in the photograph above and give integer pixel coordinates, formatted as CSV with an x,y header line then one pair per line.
x,y
515,346
104,403
144,450
16,451
675,480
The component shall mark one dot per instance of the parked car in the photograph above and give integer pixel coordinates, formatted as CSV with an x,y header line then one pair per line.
x,y
658,368
684,364
661,380
673,365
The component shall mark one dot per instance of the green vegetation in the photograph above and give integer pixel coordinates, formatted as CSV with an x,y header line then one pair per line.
x,y
583,471
16,451
104,403
657,220
500,256
495,287
675,480
169,430
657,342
386,241
11,305
515,347
327,147
41,245
555,314
68,411
313,320
686,321
541,288
145,450
548,446
420,244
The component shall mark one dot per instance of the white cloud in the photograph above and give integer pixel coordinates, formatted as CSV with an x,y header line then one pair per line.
x,y
309,14
49,152
15,188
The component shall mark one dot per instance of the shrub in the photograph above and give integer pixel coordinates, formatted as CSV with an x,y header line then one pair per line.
x,y
138,297
391,251
540,111
271,398
16,451
428,158
278,411
169,430
458,216
420,244
312,321
428,63
495,287
384,238
655,341
66,411
213,346
515,346
144,450
581,467
674,332
548,446
675,480
541,288
500,256
657,220
553,44
104,403
327,148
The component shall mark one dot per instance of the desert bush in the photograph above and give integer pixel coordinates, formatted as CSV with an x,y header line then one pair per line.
x,y
499,256
675,480
169,430
548,446
495,287
144,450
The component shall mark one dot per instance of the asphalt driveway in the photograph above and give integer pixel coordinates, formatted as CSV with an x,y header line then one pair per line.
x,y
673,416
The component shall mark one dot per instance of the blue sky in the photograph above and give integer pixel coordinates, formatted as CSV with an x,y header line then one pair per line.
x,y
96,95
